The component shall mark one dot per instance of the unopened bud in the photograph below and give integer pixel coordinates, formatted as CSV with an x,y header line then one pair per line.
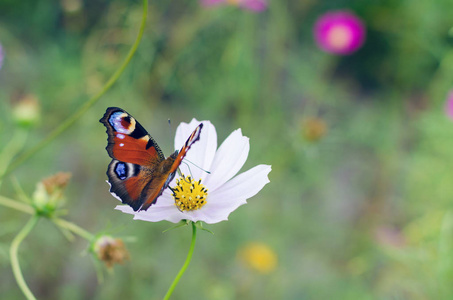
x,y
26,112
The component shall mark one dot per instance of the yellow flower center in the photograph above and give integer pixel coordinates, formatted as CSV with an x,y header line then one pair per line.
x,y
189,194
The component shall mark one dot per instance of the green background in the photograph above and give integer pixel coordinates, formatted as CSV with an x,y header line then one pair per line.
x,y
364,212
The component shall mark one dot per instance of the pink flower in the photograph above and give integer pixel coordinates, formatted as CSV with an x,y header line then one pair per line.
x,y
252,5
339,32
449,105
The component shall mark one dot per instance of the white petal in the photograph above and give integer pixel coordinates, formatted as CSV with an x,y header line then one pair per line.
x,y
164,209
161,214
202,214
125,209
228,160
231,195
243,186
202,152
216,212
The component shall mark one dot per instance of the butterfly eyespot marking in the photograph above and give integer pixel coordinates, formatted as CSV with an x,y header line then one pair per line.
x,y
120,136
124,170
122,122
121,170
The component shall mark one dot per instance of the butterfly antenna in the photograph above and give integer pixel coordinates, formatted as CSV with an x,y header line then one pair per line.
x,y
187,179
169,127
186,161
191,175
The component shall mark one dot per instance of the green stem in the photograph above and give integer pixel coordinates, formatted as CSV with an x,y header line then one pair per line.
x,y
84,108
15,261
186,263
75,229
16,205
11,149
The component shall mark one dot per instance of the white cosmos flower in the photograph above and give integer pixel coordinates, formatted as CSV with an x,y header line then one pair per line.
x,y
224,193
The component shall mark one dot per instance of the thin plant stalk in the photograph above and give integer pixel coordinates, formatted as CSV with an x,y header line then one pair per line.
x,y
11,149
15,260
75,229
186,263
16,205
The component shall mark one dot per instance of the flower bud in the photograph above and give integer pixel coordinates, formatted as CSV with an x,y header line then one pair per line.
x,y
48,195
110,250
26,112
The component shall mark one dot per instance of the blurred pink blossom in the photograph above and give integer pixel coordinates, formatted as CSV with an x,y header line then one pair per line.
x,y
449,105
339,32
252,5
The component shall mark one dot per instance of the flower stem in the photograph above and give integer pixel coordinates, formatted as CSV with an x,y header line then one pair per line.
x,y
74,228
11,149
87,105
186,263
15,261
16,205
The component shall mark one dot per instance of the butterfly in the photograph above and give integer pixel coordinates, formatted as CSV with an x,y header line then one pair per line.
x,y
139,171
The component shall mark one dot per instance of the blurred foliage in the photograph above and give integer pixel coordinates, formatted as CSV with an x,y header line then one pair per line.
x,y
363,211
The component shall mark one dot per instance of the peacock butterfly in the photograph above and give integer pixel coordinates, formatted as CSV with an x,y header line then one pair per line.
x,y
139,171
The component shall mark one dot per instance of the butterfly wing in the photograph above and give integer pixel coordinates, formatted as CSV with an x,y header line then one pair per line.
x,y
135,157
138,172
127,140
127,181
194,136
170,166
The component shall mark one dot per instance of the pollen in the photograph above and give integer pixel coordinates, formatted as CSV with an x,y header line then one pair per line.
x,y
189,194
